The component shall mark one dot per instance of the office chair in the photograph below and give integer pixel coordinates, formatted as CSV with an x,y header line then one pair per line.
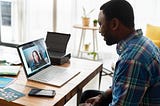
x,y
105,72
153,33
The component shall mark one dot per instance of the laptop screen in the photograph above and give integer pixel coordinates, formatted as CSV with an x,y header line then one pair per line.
x,y
34,56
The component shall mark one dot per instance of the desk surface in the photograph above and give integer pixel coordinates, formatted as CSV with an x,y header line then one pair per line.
x,y
88,69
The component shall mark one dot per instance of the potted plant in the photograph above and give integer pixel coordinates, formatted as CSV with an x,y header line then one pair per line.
x,y
95,21
85,17
86,46
94,54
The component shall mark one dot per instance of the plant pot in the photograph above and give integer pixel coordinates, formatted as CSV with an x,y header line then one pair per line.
x,y
86,47
95,21
94,24
85,21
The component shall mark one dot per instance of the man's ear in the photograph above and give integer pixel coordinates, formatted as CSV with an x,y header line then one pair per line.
x,y
114,24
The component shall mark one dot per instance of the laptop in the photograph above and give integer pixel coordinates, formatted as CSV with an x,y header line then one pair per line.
x,y
37,65
57,43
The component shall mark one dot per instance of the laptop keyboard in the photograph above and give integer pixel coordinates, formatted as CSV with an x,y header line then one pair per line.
x,y
54,75
48,74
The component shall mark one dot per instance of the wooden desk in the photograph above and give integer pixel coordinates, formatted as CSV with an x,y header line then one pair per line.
x,y
88,70
82,39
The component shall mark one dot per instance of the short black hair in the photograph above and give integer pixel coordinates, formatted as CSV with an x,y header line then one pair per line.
x,y
119,9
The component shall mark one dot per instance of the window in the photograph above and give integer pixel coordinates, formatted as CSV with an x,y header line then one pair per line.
x,y
24,20
6,13
6,26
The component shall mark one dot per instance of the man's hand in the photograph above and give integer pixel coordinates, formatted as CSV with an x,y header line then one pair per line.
x,y
91,101
94,100
97,99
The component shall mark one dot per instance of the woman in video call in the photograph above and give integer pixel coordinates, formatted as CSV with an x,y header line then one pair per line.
x,y
37,59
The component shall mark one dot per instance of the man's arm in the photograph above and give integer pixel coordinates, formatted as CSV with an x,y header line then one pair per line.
x,y
131,80
105,94
101,97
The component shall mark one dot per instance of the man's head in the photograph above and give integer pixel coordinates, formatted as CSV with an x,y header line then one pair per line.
x,y
116,19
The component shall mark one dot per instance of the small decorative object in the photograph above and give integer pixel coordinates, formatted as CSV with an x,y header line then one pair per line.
x,y
85,17
86,47
95,21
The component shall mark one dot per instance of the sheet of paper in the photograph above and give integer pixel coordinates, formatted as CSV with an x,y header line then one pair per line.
x,y
4,81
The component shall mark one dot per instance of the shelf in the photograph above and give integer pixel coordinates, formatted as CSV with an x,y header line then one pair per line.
x,y
82,40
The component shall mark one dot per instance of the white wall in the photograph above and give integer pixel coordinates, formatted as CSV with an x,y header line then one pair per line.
x,y
146,11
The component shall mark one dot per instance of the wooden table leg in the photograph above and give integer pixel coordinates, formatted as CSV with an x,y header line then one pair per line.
x,y
79,93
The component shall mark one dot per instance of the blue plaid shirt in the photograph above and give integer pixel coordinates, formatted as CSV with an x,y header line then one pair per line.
x,y
136,78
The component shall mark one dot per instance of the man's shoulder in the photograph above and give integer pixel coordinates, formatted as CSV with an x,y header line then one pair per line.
x,y
143,51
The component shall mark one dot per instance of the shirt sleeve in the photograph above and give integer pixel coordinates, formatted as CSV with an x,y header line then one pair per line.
x,y
130,82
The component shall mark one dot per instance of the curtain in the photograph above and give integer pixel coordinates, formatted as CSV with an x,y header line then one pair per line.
x,y
38,18
18,20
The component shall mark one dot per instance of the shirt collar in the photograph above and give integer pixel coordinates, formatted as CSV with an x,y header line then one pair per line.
x,y
123,44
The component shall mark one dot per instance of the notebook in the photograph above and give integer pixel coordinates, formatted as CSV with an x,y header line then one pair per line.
x,y
37,64
57,43
9,70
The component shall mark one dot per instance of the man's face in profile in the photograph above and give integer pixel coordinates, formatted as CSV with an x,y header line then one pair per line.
x,y
105,29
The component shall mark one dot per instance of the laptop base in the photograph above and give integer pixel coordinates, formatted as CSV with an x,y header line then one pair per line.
x,y
60,60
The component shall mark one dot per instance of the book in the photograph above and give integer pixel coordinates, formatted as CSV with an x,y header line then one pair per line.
x,y
5,81
10,94
9,70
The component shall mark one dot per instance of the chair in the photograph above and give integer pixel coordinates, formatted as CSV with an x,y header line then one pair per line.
x,y
153,33
105,72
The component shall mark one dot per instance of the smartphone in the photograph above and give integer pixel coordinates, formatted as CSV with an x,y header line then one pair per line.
x,y
42,92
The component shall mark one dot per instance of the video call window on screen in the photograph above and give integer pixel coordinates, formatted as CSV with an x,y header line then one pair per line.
x,y
35,56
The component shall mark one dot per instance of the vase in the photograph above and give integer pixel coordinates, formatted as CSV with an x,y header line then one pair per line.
x,y
85,21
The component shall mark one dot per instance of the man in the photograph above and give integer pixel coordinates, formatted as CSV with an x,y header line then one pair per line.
x,y
136,79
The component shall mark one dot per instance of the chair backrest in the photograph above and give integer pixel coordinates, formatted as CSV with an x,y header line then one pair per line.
x,y
153,33
57,41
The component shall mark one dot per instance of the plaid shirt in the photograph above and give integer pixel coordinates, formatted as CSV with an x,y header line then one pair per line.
x,y
136,78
